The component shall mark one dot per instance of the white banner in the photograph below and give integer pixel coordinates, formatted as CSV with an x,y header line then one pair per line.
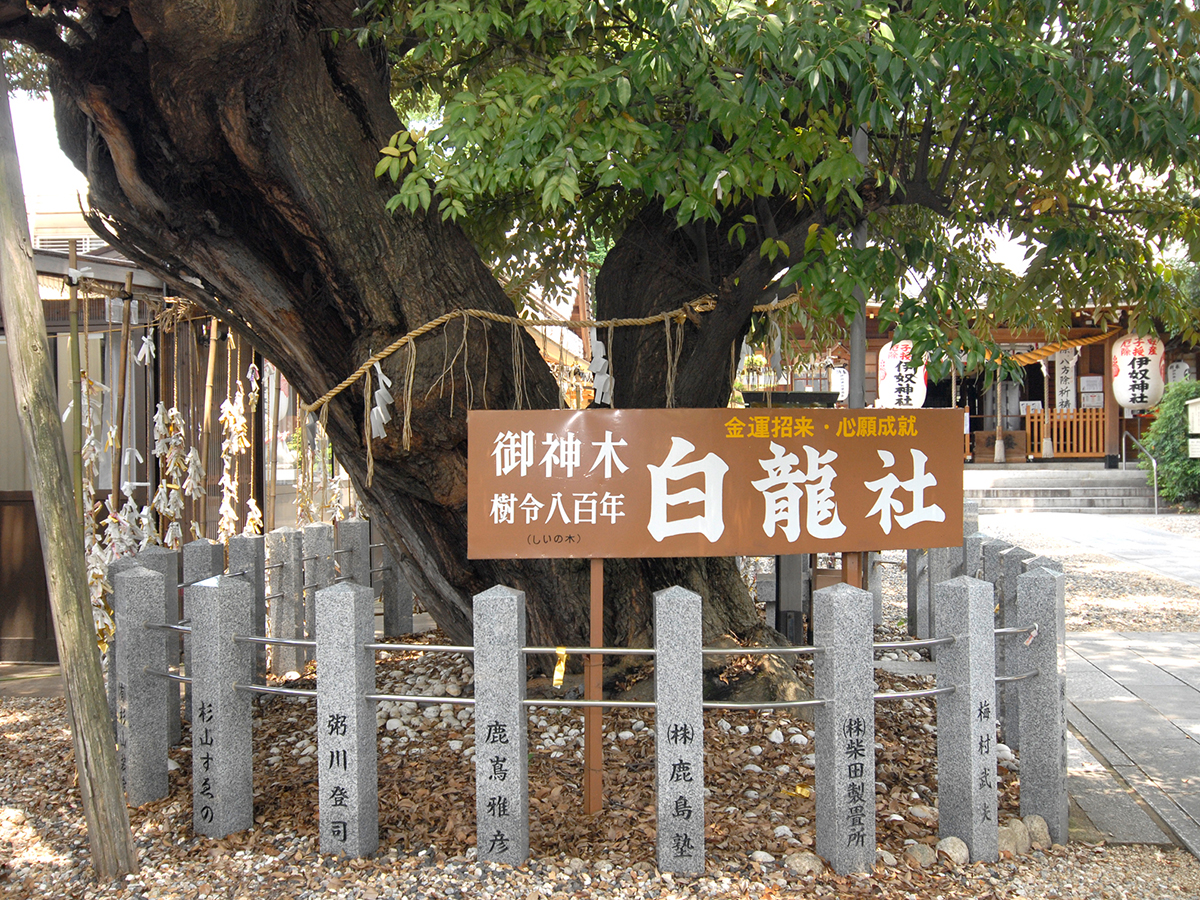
x,y
1064,378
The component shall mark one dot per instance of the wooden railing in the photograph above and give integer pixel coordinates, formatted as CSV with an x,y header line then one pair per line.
x,y
1077,433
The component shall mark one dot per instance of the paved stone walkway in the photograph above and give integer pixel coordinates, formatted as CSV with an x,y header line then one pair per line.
x,y
1135,699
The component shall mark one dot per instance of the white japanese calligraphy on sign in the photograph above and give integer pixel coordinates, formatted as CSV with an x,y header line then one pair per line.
x,y
886,487
711,521
782,493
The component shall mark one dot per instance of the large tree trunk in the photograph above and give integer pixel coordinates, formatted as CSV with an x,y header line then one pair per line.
x,y
229,148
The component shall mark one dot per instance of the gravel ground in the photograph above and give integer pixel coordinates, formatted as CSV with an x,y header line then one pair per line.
x,y
759,813
1106,594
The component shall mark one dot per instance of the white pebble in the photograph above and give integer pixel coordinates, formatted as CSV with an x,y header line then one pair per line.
x,y
775,737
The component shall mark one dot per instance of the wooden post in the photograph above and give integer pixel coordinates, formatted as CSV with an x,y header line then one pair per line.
x,y
112,849
593,689
998,455
122,377
76,378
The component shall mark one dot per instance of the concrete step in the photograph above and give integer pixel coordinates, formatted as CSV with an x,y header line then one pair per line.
x,y
1059,503
1104,491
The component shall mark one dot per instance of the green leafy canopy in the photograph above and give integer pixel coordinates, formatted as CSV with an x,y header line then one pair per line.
x,y
1072,126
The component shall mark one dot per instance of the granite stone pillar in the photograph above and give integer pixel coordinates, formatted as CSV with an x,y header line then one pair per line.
x,y
917,570
397,597
222,749
318,572
843,678
247,554
764,589
143,720
348,780
113,654
166,563
202,559
679,731
1012,560
1041,600
966,721
875,586
285,598
501,744
354,551
973,555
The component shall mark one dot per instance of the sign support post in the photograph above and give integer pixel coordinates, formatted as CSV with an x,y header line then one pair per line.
x,y
593,689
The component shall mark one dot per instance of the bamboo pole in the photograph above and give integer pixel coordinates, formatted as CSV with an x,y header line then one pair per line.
x,y
112,850
122,377
206,422
272,453
76,377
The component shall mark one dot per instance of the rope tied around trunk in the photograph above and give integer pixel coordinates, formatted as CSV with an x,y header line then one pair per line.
x,y
689,311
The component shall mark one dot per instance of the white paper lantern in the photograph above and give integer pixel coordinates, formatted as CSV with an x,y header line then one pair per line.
x,y
1179,371
900,385
1138,370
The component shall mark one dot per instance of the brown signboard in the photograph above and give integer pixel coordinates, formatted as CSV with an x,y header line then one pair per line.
x,y
711,482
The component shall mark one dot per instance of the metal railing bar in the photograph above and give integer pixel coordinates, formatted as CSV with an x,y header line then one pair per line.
x,y
433,648
380,569
759,651
912,695
161,674
611,704
780,704
289,642
1025,630
273,596
1153,462
267,689
273,566
1005,679
162,626
590,651
419,700
907,645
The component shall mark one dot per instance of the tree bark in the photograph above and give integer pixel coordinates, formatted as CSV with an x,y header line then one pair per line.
x,y
231,152
111,841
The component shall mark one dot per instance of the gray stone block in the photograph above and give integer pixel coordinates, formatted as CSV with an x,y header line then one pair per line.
x,y
679,731
875,586
318,572
166,563
222,750
1043,723
202,559
1012,560
1041,562
143,733
993,566
845,727
970,517
944,564
918,593
285,598
247,556
397,597
966,721
502,747
348,780
973,555
123,564
354,551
